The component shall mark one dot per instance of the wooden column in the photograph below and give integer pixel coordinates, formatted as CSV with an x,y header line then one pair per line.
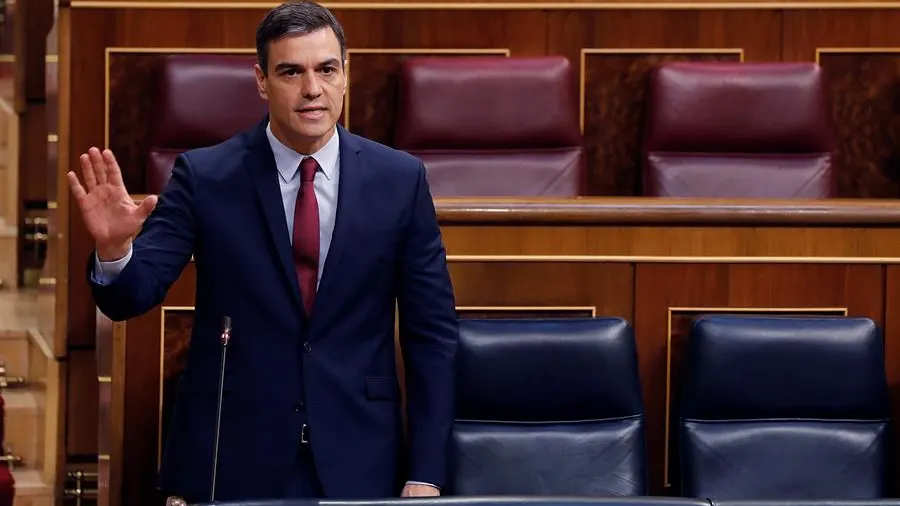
x,y
34,19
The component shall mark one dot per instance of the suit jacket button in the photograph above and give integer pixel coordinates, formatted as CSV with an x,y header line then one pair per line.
x,y
307,346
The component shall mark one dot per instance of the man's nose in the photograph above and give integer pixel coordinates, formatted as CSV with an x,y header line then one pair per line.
x,y
311,86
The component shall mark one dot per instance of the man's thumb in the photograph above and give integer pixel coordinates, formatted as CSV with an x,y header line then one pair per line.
x,y
147,206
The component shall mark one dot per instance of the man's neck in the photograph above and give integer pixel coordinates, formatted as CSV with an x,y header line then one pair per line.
x,y
303,146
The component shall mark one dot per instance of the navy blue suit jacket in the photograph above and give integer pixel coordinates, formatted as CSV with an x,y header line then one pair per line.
x,y
335,370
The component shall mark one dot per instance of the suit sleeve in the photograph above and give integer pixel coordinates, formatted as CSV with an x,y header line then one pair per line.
x,y
429,337
159,253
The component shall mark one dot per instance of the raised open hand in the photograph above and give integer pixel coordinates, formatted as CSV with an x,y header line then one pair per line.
x,y
110,214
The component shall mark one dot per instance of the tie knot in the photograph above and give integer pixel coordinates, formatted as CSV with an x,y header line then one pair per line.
x,y
308,168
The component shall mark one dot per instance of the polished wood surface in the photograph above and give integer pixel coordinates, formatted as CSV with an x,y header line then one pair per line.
x,y
576,258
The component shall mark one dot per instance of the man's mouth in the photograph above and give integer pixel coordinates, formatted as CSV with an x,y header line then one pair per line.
x,y
312,112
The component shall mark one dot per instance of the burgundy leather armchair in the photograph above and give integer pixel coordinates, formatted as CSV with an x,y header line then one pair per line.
x,y
492,126
201,100
738,130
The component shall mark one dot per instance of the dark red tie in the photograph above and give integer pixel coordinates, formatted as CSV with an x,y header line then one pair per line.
x,y
306,234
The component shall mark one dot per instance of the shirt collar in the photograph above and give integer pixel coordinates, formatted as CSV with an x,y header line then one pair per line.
x,y
288,161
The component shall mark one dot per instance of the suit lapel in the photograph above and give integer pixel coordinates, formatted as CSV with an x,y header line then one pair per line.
x,y
352,169
260,162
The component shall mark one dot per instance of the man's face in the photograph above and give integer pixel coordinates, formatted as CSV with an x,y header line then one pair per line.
x,y
305,88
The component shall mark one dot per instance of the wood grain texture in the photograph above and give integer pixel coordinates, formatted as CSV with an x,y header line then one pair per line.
x,y
865,100
131,106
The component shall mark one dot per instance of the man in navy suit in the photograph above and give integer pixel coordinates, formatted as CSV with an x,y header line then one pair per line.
x,y
305,236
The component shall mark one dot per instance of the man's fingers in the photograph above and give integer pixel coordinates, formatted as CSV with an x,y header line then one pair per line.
x,y
113,172
87,171
99,165
77,190
147,206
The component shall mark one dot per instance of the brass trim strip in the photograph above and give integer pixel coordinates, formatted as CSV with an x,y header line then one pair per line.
x,y
854,50
670,311
137,4
560,309
104,379
52,138
103,456
11,58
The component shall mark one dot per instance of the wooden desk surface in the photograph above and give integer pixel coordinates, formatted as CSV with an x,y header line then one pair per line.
x,y
658,211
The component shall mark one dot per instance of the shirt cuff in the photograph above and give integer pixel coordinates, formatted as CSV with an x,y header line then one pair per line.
x,y
106,272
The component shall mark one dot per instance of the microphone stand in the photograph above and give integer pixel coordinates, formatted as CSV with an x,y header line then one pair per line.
x,y
225,339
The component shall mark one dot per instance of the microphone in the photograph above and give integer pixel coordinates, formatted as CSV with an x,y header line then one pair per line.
x,y
225,339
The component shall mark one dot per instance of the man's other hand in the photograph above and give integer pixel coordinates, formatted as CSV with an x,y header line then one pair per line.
x,y
417,490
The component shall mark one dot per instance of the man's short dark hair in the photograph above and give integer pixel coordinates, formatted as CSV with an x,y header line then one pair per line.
x,y
295,18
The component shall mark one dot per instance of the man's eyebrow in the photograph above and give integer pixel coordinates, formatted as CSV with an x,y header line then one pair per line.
x,y
282,66
286,66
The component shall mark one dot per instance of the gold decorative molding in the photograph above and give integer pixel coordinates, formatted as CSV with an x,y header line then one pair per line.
x,y
410,51
11,58
671,311
854,50
109,51
585,51
559,309
52,138
495,6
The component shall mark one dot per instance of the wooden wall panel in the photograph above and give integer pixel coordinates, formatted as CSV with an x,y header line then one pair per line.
x,y
863,87
83,400
859,51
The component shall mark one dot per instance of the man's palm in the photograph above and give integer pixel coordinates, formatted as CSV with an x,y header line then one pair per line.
x,y
109,213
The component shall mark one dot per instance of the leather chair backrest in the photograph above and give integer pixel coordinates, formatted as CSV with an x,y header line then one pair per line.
x,y
716,129
784,408
492,126
201,100
548,407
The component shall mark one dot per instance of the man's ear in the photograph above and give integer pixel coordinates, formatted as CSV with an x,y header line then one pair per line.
x,y
261,82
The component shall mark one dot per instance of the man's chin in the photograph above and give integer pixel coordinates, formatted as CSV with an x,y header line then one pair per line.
x,y
313,129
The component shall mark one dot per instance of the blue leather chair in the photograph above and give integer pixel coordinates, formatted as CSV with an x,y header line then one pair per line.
x,y
548,407
784,408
